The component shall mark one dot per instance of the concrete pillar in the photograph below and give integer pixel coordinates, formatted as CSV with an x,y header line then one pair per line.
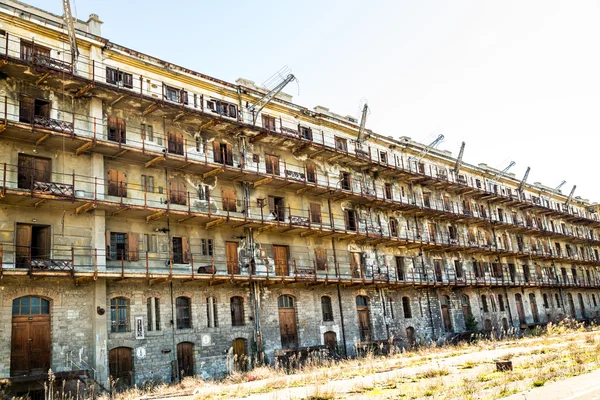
x,y
99,239
99,323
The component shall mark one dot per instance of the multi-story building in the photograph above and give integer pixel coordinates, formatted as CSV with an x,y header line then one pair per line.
x,y
151,225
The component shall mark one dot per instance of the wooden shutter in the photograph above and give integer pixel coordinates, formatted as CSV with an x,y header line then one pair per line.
x,y
315,213
42,171
228,154
113,182
111,75
185,250
25,172
228,200
26,109
271,201
311,173
122,184
109,254
184,97
132,247
217,152
321,258
128,80
121,129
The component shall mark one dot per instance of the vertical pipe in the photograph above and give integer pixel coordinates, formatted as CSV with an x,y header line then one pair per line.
x,y
340,300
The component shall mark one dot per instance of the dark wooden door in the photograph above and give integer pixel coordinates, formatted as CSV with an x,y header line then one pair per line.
x,y
185,359
363,324
30,348
330,340
520,310
446,318
534,310
239,354
438,270
23,245
231,254
282,267
571,305
288,327
121,366
410,335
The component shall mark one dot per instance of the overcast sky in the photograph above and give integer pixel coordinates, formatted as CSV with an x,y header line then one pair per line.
x,y
516,80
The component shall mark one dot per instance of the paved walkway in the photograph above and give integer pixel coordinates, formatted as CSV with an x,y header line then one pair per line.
x,y
582,387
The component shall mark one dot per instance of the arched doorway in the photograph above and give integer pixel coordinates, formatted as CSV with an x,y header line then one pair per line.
x,y
487,325
571,305
410,335
364,324
185,359
520,310
504,324
581,305
534,309
239,354
330,340
30,344
287,321
120,365
445,304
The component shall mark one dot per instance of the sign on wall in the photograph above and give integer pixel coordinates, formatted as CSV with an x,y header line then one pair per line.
x,y
139,327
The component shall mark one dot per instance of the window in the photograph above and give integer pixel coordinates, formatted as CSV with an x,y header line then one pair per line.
x,y
153,313
29,50
305,133
222,108
341,144
311,173
30,305
175,143
183,313
545,299
33,169
315,213
119,314
389,191
175,95
268,122
383,157
177,191
484,303
181,250
400,268
211,312
393,227
148,183
557,300
501,302
148,134
122,246
223,153
119,78
33,110
229,201
272,164
406,307
321,259
351,222
116,129
458,269
204,192
207,247
150,242
493,303
346,180
326,308
237,311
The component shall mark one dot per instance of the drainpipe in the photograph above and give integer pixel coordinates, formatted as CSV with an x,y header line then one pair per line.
x,y
428,300
174,366
339,295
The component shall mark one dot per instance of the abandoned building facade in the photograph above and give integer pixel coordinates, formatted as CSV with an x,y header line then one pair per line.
x,y
155,219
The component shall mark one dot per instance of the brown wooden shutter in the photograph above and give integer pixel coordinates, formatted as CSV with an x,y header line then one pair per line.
x,y
228,154
217,152
122,129
185,249
113,182
321,258
108,248
184,97
132,247
26,109
271,200
25,172
228,200
128,80
311,173
42,171
122,182
315,213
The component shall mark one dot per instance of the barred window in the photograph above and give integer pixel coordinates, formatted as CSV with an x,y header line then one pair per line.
x,y
119,314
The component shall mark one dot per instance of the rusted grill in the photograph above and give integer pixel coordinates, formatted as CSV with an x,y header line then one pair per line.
x,y
49,62
53,124
51,265
58,189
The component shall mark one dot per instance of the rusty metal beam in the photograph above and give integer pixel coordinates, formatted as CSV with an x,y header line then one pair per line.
x,y
120,210
154,161
186,218
41,78
212,172
216,222
42,139
39,202
118,99
84,208
151,109
263,181
120,153
83,148
155,216
84,90
266,228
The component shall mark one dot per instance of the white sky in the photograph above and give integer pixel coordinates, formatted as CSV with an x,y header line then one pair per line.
x,y
516,80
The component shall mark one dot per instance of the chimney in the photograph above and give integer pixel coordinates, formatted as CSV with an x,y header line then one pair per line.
x,y
94,25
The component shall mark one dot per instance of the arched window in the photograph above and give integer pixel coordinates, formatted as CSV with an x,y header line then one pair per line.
x,y
406,307
184,313
545,298
30,305
501,302
364,318
362,301
119,314
211,312
557,300
466,306
237,311
285,301
493,302
326,308
484,303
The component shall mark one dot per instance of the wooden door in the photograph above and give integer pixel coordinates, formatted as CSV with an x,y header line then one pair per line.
x,y
282,267
121,366
534,310
410,335
330,340
30,349
520,310
41,170
288,328
432,232
437,264
363,324
571,305
315,213
355,264
23,245
40,242
446,318
239,354
231,254
185,359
